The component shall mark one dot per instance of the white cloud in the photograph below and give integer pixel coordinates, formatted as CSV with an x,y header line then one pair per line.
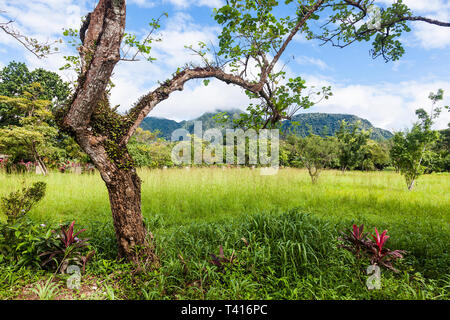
x,y
199,3
197,99
429,36
180,31
179,4
143,3
304,60
45,19
432,36
420,6
387,105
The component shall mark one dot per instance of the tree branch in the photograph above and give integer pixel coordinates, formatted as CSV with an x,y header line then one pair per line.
x,y
292,34
146,103
100,52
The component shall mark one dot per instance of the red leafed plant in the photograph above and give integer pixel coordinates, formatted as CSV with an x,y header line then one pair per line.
x,y
68,238
360,244
69,249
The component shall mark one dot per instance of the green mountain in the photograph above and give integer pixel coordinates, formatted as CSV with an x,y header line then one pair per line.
x,y
328,123
321,124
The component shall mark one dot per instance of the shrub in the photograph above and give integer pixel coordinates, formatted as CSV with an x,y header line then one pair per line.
x,y
22,241
68,248
357,242
20,238
17,204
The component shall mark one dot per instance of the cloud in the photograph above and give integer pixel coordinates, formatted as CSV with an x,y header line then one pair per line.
x,y
45,19
427,35
420,6
179,4
197,99
199,3
180,31
304,60
143,3
387,105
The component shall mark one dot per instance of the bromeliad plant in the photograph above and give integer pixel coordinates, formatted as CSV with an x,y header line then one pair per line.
x,y
69,249
358,242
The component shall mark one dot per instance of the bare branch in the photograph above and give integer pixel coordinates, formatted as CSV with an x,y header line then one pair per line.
x,y
40,50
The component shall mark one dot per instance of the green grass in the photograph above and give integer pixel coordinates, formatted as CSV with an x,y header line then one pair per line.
x,y
291,225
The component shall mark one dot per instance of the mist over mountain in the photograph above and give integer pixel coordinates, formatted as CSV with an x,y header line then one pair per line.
x,y
323,124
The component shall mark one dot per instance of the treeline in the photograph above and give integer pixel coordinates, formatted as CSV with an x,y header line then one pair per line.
x,y
350,149
29,137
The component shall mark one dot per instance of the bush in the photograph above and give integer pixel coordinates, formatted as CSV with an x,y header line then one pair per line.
x,y
22,241
20,238
17,204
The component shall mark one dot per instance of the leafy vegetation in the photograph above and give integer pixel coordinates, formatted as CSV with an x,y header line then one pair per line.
x,y
271,248
413,148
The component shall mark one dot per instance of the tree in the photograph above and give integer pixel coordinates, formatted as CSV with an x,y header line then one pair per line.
x,y
33,136
376,156
315,153
252,35
415,146
352,142
147,150
16,78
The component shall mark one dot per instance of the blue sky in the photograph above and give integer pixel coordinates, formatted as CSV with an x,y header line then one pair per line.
x,y
384,93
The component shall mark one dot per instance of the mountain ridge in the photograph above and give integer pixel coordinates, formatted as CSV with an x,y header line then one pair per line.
x,y
323,124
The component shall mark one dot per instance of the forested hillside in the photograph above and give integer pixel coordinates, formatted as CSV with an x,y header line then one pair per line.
x,y
321,124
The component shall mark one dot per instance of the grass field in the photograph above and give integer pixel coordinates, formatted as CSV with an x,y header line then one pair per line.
x,y
292,227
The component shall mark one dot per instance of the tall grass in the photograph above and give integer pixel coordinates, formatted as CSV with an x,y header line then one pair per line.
x,y
291,225
179,196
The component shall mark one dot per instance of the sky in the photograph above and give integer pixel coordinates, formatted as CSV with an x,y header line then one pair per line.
x,y
386,94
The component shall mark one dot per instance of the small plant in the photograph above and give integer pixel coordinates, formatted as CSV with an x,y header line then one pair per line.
x,y
68,250
17,204
358,242
20,238
46,291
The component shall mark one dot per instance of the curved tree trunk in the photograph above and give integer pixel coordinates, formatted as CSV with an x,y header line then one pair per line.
x,y
124,190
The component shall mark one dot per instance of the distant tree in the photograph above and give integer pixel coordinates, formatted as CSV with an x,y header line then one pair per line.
x,y
150,151
415,146
441,163
352,142
32,138
376,156
16,78
315,153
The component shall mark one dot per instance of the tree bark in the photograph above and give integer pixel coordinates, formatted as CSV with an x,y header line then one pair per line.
x,y
124,188
410,184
